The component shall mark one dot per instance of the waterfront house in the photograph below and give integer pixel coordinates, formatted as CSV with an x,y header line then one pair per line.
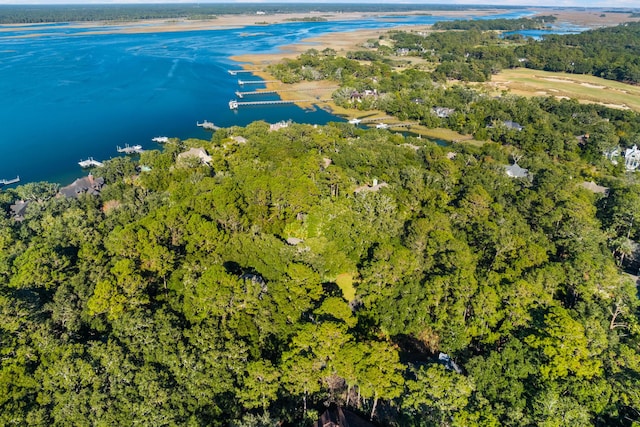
x,y
86,185
632,158
18,209
239,139
280,125
198,153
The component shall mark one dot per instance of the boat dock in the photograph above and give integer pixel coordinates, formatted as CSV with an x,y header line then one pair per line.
x,y
136,149
207,125
90,162
10,181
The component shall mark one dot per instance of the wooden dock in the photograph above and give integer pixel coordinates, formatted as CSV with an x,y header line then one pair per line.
x,y
207,125
10,181
256,82
136,149
235,72
90,162
373,119
255,92
234,105
395,125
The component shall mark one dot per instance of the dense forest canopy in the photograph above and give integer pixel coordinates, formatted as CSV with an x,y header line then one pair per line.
x,y
277,271
318,264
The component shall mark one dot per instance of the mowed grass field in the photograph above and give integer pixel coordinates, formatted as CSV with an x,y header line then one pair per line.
x,y
527,82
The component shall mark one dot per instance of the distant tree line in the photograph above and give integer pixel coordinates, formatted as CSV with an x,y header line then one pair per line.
x,y
503,24
474,55
26,14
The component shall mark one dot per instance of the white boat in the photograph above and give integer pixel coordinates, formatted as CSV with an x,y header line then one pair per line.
x,y
160,139
355,121
382,126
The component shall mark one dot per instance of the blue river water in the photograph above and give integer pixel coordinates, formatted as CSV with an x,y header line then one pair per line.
x,y
68,95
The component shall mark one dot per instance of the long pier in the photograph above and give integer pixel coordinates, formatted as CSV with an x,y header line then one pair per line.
x,y
373,119
256,82
235,72
9,181
404,124
255,92
234,105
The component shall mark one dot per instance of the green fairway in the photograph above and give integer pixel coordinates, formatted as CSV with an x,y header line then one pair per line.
x,y
585,88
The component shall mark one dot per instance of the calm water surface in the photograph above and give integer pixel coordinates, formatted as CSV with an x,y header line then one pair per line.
x,y
68,95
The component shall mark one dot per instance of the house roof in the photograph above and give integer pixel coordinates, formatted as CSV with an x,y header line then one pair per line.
x,y
513,125
87,184
595,188
515,171
367,188
239,139
196,152
18,209
335,416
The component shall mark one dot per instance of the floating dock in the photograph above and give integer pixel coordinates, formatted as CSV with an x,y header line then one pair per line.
x,y
90,162
136,149
10,181
207,125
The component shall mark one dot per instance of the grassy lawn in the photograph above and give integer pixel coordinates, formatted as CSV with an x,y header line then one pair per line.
x,y
526,82
345,283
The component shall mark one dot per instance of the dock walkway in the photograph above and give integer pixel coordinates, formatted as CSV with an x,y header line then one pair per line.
x,y
136,149
10,181
235,72
234,105
90,162
256,82
207,125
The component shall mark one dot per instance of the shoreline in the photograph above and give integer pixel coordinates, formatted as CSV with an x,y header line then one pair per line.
x,y
344,41
221,22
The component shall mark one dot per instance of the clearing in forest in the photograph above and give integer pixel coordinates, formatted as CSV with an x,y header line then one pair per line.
x,y
584,88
